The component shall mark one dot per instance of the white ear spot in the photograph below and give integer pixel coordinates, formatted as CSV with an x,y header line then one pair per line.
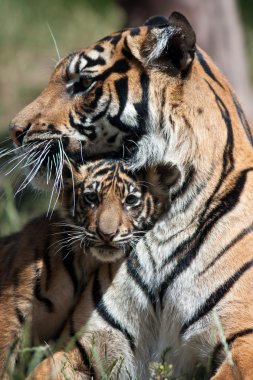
x,y
162,37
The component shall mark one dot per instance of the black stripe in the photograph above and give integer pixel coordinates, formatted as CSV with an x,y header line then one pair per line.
x,y
98,94
145,242
120,67
216,296
126,50
68,260
238,238
99,48
121,87
104,313
101,162
191,246
239,335
142,106
219,347
37,292
115,39
162,122
104,170
226,117
124,168
207,68
148,206
243,119
90,62
84,356
20,315
134,270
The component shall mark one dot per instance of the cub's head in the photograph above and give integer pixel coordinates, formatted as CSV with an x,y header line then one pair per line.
x,y
110,207
108,97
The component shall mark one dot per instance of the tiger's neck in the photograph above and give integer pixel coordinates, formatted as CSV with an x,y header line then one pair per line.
x,y
201,136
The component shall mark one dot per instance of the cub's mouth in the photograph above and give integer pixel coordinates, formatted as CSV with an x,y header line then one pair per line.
x,y
108,253
107,247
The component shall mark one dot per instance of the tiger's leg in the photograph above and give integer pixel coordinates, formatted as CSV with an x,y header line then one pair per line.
x,y
242,357
100,354
60,366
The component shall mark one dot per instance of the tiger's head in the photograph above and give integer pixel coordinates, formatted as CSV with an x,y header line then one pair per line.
x,y
108,97
111,207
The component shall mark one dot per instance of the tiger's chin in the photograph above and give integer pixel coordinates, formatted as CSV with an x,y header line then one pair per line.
x,y
108,253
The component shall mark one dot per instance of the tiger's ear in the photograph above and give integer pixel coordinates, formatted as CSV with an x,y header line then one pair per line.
x,y
156,20
169,46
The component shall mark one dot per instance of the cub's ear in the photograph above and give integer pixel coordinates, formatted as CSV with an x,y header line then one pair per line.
x,y
169,46
167,175
161,178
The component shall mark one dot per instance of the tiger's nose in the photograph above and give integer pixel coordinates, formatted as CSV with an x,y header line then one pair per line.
x,y
17,133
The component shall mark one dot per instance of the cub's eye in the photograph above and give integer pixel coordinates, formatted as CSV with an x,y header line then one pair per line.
x,y
132,200
82,85
91,198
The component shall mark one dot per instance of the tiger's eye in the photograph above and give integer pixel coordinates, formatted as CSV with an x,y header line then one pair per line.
x,y
86,82
82,85
91,198
132,200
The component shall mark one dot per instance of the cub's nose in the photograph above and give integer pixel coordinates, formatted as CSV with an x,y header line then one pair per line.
x,y
17,133
106,236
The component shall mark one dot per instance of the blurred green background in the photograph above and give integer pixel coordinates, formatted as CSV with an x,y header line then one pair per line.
x,y
28,55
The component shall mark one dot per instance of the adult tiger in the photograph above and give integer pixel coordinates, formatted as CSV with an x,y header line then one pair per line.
x,y
150,90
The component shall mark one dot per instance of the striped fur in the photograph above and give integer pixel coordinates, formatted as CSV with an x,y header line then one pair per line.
x,y
45,267
152,92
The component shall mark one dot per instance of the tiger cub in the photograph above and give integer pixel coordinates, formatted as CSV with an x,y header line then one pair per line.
x,y
104,210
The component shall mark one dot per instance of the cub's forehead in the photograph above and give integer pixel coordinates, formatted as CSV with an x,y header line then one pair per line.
x,y
104,173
